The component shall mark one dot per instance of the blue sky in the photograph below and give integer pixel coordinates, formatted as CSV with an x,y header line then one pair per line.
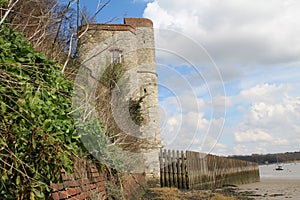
x,y
231,85
116,9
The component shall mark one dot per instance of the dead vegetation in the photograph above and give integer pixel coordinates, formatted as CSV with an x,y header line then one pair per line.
x,y
121,118
175,194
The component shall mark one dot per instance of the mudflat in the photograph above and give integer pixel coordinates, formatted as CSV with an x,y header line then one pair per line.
x,y
272,189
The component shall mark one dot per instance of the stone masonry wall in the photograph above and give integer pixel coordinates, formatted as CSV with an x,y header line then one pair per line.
x,y
135,40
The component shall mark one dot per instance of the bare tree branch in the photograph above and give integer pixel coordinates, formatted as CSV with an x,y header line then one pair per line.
x,y
61,20
10,7
100,9
69,55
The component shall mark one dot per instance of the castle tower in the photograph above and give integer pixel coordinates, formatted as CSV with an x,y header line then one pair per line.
x,y
126,54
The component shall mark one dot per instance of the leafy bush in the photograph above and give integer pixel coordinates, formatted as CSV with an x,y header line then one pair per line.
x,y
37,135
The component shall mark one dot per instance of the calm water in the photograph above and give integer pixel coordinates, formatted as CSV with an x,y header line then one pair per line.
x,y
290,171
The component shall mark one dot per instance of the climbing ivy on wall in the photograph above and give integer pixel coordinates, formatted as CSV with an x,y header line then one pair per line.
x,y
37,135
135,110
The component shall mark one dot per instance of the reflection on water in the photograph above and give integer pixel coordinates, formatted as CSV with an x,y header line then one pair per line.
x,y
290,171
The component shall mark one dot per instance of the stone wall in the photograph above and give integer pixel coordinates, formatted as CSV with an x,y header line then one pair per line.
x,y
135,40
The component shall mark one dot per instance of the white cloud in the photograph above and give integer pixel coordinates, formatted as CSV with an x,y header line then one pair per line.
x,y
280,116
253,135
268,93
184,126
221,149
270,122
281,141
256,47
172,122
237,34
241,150
221,101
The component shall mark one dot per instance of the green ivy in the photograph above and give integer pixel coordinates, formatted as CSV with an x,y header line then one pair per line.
x,y
37,134
3,2
135,110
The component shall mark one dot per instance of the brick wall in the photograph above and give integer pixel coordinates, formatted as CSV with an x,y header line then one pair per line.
x,y
138,22
86,182
109,27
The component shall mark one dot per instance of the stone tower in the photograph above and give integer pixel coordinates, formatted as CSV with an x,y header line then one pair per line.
x,y
129,47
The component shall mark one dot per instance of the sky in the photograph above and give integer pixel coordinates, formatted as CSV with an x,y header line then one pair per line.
x,y
228,72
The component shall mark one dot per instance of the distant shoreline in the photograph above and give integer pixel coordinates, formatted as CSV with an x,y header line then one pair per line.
x,y
287,162
270,158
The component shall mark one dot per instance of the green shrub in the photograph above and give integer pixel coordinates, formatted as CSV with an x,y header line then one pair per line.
x,y
37,135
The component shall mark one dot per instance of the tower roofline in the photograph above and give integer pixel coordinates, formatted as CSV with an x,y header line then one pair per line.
x,y
130,24
108,27
138,22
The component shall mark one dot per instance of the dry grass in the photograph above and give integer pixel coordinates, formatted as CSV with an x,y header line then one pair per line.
x,y
162,193
175,194
222,197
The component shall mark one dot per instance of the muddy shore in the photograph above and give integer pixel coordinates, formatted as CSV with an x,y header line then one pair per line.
x,y
274,189
271,189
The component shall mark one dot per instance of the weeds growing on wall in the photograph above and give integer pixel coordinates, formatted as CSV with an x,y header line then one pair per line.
x,y
111,75
110,83
135,110
113,191
37,135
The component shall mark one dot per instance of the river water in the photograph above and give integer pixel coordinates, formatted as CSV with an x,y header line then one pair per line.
x,y
291,171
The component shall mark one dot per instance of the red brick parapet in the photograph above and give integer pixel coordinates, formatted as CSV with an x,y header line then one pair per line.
x,y
108,27
130,24
138,22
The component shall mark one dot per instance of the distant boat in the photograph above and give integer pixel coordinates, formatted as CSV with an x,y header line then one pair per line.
x,y
278,167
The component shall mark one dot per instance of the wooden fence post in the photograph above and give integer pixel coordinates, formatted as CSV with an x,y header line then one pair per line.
x,y
165,168
192,170
170,170
161,166
179,161
174,164
184,172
